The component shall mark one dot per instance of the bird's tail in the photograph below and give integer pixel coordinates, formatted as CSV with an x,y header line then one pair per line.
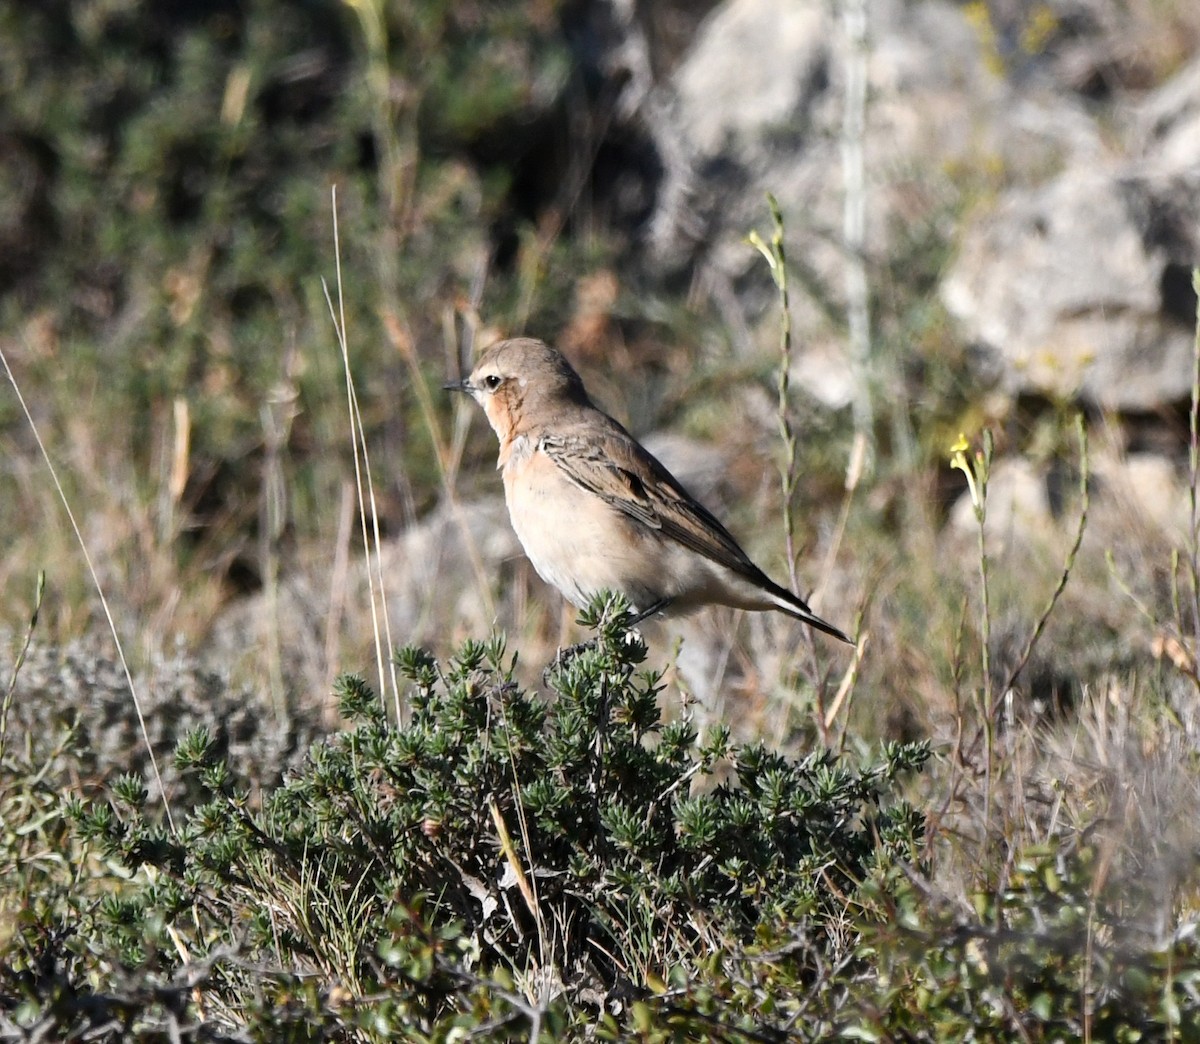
x,y
798,608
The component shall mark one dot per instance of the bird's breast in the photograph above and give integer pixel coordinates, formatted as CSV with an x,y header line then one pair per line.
x,y
515,451
576,541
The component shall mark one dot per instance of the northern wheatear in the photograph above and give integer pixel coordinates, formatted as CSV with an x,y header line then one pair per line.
x,y
595,510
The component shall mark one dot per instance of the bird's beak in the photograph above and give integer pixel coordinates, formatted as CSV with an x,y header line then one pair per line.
x,y
464,385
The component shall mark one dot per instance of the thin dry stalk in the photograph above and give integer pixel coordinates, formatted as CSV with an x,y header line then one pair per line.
x,y
87,557
988,696
854,21
20,661
445,458
846,689
338,584
513,858
1072,554
1194,473
362,476
776,257
855,468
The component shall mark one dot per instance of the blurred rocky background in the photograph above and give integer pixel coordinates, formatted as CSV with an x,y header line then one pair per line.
x,y
992,210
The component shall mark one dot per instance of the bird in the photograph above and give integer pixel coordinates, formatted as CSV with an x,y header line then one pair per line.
x,y
594,510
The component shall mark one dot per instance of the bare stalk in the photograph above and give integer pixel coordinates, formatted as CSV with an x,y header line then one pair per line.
x,y
365,485
1193,473
776,258
1069,564
20,661
87,557
985,640
854,214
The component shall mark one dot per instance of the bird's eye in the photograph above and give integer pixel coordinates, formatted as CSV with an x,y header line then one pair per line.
x,y
492,381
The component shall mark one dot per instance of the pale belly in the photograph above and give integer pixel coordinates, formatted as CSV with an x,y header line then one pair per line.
x,y
580,545
577,543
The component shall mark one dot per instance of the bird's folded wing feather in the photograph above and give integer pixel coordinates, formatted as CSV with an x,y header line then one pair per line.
x,y
624,475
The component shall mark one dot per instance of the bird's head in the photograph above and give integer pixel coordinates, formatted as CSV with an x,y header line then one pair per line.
x,y
521,382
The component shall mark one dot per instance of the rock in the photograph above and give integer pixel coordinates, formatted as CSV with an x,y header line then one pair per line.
x,y
699,466
82,685
1079,288
727,100
1145,487
448,561
774,124
822,372
731,129
1094,49
459,572
438,577
1018,506
1167,131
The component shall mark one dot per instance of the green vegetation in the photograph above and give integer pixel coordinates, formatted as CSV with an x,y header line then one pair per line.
x,y
166,223
505,866
497,860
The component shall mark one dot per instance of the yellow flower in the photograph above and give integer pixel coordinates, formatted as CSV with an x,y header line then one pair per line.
x,y
958,459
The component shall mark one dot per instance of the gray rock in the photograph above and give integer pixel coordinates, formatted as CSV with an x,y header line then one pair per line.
x,y
756,105
755,67
1145,489
1078,288
1074,284
1018,507
81,689
438,577
458,572
1167,132
699,466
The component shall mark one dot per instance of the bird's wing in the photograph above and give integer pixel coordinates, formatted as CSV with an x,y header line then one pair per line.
x,y
617,469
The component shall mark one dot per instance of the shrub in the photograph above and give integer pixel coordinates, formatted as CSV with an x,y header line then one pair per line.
x,y
497,861
1057,952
